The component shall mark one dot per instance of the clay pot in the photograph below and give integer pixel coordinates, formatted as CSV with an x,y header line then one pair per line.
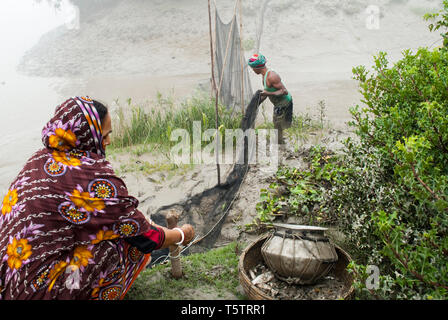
x,y
299,254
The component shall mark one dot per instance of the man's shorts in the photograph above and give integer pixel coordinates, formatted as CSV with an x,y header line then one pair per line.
x,y
282,117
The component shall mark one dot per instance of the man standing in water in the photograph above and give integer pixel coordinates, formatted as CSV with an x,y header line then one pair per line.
x,y
277,93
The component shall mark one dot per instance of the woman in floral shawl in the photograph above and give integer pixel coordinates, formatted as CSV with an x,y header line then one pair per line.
x,y
68,228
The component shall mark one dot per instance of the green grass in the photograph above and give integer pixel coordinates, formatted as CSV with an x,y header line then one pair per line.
x,y
215,271
140,130
137,150
136,125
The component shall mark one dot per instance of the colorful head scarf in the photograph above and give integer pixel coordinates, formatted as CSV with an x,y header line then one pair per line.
x,y
65,217
257,61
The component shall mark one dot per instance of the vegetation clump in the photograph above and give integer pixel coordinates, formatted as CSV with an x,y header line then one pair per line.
x,y
136,125
388,190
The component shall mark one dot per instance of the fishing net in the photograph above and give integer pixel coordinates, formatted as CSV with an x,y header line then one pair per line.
x,y
208,210
231,70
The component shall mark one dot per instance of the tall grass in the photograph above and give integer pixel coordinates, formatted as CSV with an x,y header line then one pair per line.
x,y
136,125
149,128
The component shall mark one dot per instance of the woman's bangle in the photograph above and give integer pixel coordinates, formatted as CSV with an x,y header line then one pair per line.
x,y
182,235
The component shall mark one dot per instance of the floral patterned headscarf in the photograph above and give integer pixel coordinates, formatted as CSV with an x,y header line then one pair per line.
x,y
67,130
65,216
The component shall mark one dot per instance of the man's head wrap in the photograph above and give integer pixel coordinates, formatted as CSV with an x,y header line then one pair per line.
x,y
257,61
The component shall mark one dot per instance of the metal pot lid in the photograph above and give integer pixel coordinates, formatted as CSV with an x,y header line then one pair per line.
x,y
297,227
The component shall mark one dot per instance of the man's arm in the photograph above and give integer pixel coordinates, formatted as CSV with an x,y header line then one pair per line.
x,y
274,81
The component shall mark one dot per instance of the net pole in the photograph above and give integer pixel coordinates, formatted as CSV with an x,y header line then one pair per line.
x,y
216,95
241,58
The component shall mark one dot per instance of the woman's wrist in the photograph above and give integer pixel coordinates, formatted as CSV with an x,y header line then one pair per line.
x,y
182,236
171,237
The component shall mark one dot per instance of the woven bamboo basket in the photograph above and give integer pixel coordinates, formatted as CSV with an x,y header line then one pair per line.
x,y
251,256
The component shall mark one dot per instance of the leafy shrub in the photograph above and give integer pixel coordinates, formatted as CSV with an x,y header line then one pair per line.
x,y
394,204
301,193
388,191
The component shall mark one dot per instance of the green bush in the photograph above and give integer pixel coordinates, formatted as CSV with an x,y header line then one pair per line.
x,y
394,203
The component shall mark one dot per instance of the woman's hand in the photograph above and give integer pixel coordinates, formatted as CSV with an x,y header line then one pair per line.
x,y
173,236
188,232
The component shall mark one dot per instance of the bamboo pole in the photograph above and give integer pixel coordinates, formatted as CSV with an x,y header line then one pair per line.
x,y
172,218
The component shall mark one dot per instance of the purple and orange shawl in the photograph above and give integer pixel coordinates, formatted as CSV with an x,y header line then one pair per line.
x,y
65,217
